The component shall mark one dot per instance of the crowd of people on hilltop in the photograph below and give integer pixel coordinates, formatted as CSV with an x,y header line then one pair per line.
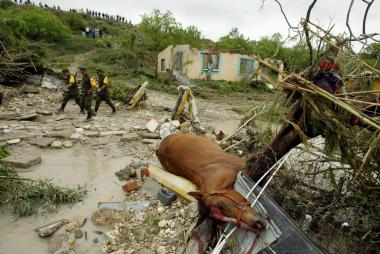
x,y
87,12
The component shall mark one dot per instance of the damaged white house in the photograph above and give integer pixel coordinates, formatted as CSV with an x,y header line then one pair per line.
x,y
201,63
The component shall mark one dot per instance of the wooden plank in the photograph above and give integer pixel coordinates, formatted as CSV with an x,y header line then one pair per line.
x,y
177,184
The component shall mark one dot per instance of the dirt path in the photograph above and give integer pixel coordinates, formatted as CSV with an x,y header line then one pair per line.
x,y
99,149
78,61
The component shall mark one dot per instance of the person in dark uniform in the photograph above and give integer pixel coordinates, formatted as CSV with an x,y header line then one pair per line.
x,y
103,94
87,89
70,89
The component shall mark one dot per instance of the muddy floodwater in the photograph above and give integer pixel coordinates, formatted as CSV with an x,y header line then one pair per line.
x,y
67,167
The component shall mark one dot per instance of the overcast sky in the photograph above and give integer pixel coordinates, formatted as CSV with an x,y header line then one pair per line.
x,y
216,18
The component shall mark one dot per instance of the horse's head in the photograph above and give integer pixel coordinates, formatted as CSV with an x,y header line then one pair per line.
x,y
231,206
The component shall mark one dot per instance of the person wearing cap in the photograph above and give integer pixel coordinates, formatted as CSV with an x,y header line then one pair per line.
x,y
87,89
70,89
103,94
327,78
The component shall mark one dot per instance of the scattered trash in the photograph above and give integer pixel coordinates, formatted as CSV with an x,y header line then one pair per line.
x,y
307,221
75,223
166,196
168,128
50,228
151,125
111,235
132,185
124,206
144,173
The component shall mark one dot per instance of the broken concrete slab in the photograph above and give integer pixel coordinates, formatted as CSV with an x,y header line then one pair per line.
x,y
41,142
130,137
25,160
151,125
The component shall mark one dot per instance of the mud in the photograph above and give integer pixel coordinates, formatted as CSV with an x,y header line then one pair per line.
x,y
96,155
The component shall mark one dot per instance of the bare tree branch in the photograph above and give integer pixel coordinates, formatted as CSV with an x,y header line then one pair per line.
x,y
306,28
283,13
366,13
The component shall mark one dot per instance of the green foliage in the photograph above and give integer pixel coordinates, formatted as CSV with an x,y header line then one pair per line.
x,y
234,41
26,196
75,21
6,4
19,24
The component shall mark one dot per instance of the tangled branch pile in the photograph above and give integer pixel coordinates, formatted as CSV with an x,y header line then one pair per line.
x,y
25,196
13,63
348,207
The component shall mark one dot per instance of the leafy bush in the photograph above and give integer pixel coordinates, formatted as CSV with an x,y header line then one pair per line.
x,y
6,4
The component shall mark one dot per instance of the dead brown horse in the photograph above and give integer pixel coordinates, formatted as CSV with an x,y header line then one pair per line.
x,y
214,172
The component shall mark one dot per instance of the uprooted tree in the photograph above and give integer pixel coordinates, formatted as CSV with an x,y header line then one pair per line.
x,y
349,123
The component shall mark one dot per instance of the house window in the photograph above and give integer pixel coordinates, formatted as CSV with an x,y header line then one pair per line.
x,y
210,60
163,64
178,61
247,66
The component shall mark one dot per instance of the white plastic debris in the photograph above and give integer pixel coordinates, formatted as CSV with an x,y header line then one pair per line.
x,y
151,125
168,128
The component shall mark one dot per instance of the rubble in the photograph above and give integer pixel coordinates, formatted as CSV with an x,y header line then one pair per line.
x,y
42,142
23,160
124,206
151,125
49,229
130,137
57,144
75,223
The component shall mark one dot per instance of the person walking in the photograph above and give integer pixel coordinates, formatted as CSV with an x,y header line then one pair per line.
x,y
87,89
103,94
70,89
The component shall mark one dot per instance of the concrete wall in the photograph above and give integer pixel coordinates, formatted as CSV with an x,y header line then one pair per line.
x,y
192,59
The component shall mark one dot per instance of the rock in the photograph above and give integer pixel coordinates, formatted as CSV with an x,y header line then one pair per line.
x,y
44,112
129,137
148,135
58,244
108,246
112,133
161,250
13,141
78,233
30,89
75,223
24,160
58,134
162,223
67,144
27,117
56,144
160,209
42,142
75,136
192,210
149,141
79,130
91,134
50,228
151,125
60,118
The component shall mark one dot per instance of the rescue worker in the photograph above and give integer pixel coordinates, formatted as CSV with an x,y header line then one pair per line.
x,y
103,94
70,90
88,87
